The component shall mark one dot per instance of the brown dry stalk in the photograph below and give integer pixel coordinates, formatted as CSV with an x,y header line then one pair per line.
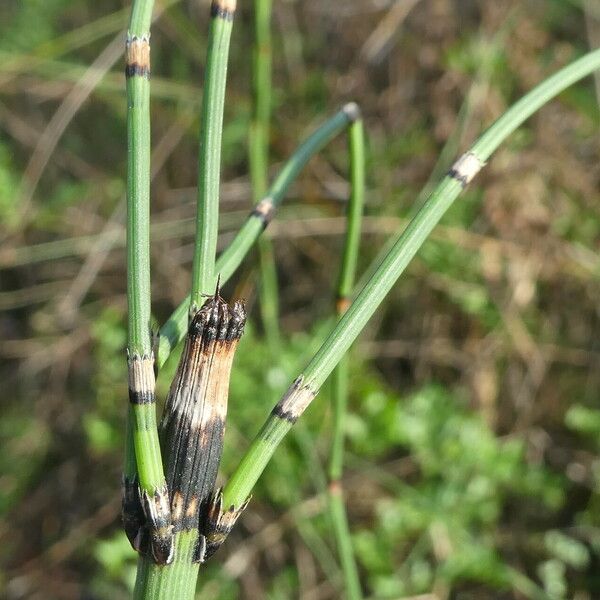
x,y
193,424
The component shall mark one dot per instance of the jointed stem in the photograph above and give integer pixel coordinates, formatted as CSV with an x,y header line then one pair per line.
x,y
178,580
259,162
156,578
146,469
209,159
355,211
305,387
172,332
138,183
339,380
175,581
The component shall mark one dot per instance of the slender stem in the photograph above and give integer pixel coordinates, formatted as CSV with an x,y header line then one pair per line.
x,y
417,231
339,381
209,159
305,387
138,192
355,211
172,332
259,159
141,426
261,84
269,293
339,518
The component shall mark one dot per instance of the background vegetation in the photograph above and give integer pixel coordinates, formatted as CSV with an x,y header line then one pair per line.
x,y
472,467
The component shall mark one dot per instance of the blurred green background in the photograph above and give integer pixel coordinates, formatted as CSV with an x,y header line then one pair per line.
x,y
473,438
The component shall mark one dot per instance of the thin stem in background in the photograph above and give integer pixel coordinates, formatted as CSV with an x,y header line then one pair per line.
x,y
306,386
339,380
209,158
173,331
259,163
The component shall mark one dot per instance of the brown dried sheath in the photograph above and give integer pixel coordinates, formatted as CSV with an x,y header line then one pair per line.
x,y
193,424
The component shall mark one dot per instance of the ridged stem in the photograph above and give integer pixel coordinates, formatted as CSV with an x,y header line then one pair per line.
x,y
173,331
176,581
209,158
307,385
138,192
141,428
339,379
259,162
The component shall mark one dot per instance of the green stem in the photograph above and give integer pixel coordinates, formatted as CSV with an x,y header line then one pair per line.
x,y
141,427
355,210
173,331
259,160
339,518
305,388
339,381
269,293
209,159
138,193
178,579
170,582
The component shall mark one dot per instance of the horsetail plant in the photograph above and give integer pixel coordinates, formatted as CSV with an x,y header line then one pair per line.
x,y
194,420
258,155
209,157
173,331
305,387
146,514
179,521
339,378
